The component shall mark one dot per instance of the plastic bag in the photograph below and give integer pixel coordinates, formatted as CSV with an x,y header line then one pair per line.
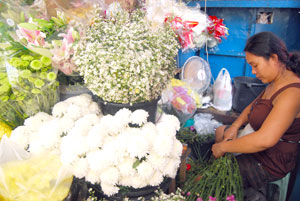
x,y
205,124
180,100
35,178
222,91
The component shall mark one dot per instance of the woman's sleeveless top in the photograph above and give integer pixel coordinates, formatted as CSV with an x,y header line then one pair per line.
x,y
281,158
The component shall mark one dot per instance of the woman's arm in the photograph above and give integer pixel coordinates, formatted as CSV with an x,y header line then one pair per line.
x,y
285,108
231,132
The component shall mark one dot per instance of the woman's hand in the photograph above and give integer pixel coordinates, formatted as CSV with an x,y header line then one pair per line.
x,y
230,133
217,150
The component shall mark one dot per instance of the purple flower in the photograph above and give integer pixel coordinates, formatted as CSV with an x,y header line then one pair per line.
x,y
192,128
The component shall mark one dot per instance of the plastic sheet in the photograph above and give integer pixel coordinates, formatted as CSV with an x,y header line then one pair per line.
x,y
205,124
31,178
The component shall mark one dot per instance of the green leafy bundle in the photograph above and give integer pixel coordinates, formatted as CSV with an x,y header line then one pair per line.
x,y
219,179
200,144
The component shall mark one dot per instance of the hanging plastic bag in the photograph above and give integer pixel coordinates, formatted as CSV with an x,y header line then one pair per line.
x,y
222,91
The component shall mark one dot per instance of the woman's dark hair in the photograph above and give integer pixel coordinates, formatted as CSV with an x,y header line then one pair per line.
x,y
264,44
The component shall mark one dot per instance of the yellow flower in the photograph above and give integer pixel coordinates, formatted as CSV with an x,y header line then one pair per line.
x,y
4,129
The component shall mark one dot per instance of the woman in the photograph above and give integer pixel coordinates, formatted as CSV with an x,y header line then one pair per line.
x,y
270,152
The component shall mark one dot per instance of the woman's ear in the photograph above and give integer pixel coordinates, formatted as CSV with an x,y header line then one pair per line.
x,y
274,58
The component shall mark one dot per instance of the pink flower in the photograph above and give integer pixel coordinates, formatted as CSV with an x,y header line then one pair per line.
x,y
62,54
199,199
188,193
230,198
33,37
210,198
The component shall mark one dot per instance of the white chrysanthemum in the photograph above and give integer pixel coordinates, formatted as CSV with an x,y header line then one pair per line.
x,y
36,148
67,156
171,120
60,109
177,149
93,108
163,145
110,175
157,161
124,114
126,167
21,135
138,182
80,168
109,189
171,168
145,170
149,131
114,151
93,176
136,144
66,124
84,124
74,112
139,117
97,160
82,100
49,133
37,120
165,128
111,125
74,144
95,138
125,180
156,179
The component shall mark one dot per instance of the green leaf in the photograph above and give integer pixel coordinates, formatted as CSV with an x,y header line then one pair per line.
x,y
43,23
136,163
41,51
28,26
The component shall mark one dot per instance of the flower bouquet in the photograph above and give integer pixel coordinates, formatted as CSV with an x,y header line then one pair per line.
x,y
180,100
10,111
193,27
216,31
113,151
33,82
123,59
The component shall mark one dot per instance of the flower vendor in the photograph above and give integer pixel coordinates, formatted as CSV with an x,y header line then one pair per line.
x,y
270,151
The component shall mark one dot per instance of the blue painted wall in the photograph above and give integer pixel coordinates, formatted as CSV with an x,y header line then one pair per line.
x,y
240,17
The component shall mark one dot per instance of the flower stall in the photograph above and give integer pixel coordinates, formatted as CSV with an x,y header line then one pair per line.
x,y
122,134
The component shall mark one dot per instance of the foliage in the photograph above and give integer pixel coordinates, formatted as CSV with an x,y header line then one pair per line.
x,y
219,179
199,143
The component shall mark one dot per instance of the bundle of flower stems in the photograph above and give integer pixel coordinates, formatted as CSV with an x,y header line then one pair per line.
x,y
220,180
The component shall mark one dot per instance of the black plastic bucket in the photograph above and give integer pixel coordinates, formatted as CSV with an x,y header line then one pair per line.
x,y
245,90
113,108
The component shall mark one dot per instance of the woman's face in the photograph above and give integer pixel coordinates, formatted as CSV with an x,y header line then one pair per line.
x,y
263,69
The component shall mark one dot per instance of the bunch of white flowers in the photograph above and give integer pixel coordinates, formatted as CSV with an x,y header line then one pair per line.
x,y
123,59
112,153
43,132
123,149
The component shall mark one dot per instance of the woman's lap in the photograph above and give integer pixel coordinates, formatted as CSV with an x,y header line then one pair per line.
x,y
252,172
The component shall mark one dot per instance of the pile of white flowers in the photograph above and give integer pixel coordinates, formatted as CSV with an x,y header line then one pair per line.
x,y
123,59
105,149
